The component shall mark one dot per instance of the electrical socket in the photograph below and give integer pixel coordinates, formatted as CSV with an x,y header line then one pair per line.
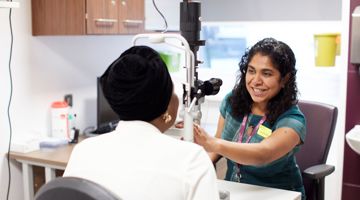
x,y
68,98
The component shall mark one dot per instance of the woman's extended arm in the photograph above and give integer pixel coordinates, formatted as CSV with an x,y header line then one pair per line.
x,y
282,141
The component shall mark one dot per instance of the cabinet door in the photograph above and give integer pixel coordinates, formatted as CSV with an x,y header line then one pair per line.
x,y
102,16
131,16
60,17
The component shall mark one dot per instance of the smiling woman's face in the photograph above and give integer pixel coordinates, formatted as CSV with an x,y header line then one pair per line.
x,y
263,80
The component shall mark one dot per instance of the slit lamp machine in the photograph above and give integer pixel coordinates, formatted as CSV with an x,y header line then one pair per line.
x,y
194,90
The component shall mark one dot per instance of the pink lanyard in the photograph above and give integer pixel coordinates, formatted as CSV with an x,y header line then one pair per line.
x,y
243,125
242,131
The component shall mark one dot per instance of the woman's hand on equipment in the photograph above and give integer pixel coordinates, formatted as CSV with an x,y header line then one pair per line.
x,y
203,139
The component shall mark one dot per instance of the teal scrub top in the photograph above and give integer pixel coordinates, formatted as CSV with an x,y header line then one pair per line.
x,y
282,173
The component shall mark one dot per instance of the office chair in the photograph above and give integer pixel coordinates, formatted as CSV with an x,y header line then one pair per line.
x,y
320,125
73,188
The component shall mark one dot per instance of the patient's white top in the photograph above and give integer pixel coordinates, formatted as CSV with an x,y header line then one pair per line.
x,y
138,162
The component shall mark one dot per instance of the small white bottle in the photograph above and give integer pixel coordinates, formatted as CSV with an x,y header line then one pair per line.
x,y
60,120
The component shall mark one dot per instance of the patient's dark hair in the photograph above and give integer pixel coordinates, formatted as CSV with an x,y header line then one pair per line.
x,y
138,85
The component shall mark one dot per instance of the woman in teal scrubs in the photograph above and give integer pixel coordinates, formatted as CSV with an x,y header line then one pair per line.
x,y
260,127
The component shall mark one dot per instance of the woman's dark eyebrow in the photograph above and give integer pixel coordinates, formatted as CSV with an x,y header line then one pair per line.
x,y
267,70
249,66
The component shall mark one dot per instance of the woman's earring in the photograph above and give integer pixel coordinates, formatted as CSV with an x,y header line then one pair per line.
x,y
167,118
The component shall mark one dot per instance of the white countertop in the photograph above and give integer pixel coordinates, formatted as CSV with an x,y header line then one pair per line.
x,y
241,191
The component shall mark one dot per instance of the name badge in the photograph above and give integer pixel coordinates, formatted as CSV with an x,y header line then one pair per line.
x,y
264,131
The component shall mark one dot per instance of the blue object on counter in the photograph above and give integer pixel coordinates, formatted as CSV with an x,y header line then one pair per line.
x,y
53,143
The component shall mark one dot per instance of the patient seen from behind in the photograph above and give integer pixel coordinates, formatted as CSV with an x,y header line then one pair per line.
x,y
137,161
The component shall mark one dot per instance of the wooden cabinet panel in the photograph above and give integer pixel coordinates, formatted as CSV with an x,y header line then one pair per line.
x,y
58,17
39,176
131,16
102,17
81,17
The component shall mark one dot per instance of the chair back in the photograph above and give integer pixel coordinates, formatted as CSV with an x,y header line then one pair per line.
x,y
320,126
73,188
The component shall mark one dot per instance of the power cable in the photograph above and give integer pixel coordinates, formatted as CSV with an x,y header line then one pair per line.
x,y
165,21
9,103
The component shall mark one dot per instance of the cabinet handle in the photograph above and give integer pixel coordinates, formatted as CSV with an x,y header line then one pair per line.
x,y
130,22
101,21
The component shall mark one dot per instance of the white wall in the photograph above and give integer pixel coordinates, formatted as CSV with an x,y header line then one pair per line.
x,y
244,10
265,10
46,68
170,10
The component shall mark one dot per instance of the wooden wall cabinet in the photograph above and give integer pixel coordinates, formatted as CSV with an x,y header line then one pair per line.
x,y
132,16
87,17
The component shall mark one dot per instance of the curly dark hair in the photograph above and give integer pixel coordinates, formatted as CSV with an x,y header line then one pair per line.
x,y
283,59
